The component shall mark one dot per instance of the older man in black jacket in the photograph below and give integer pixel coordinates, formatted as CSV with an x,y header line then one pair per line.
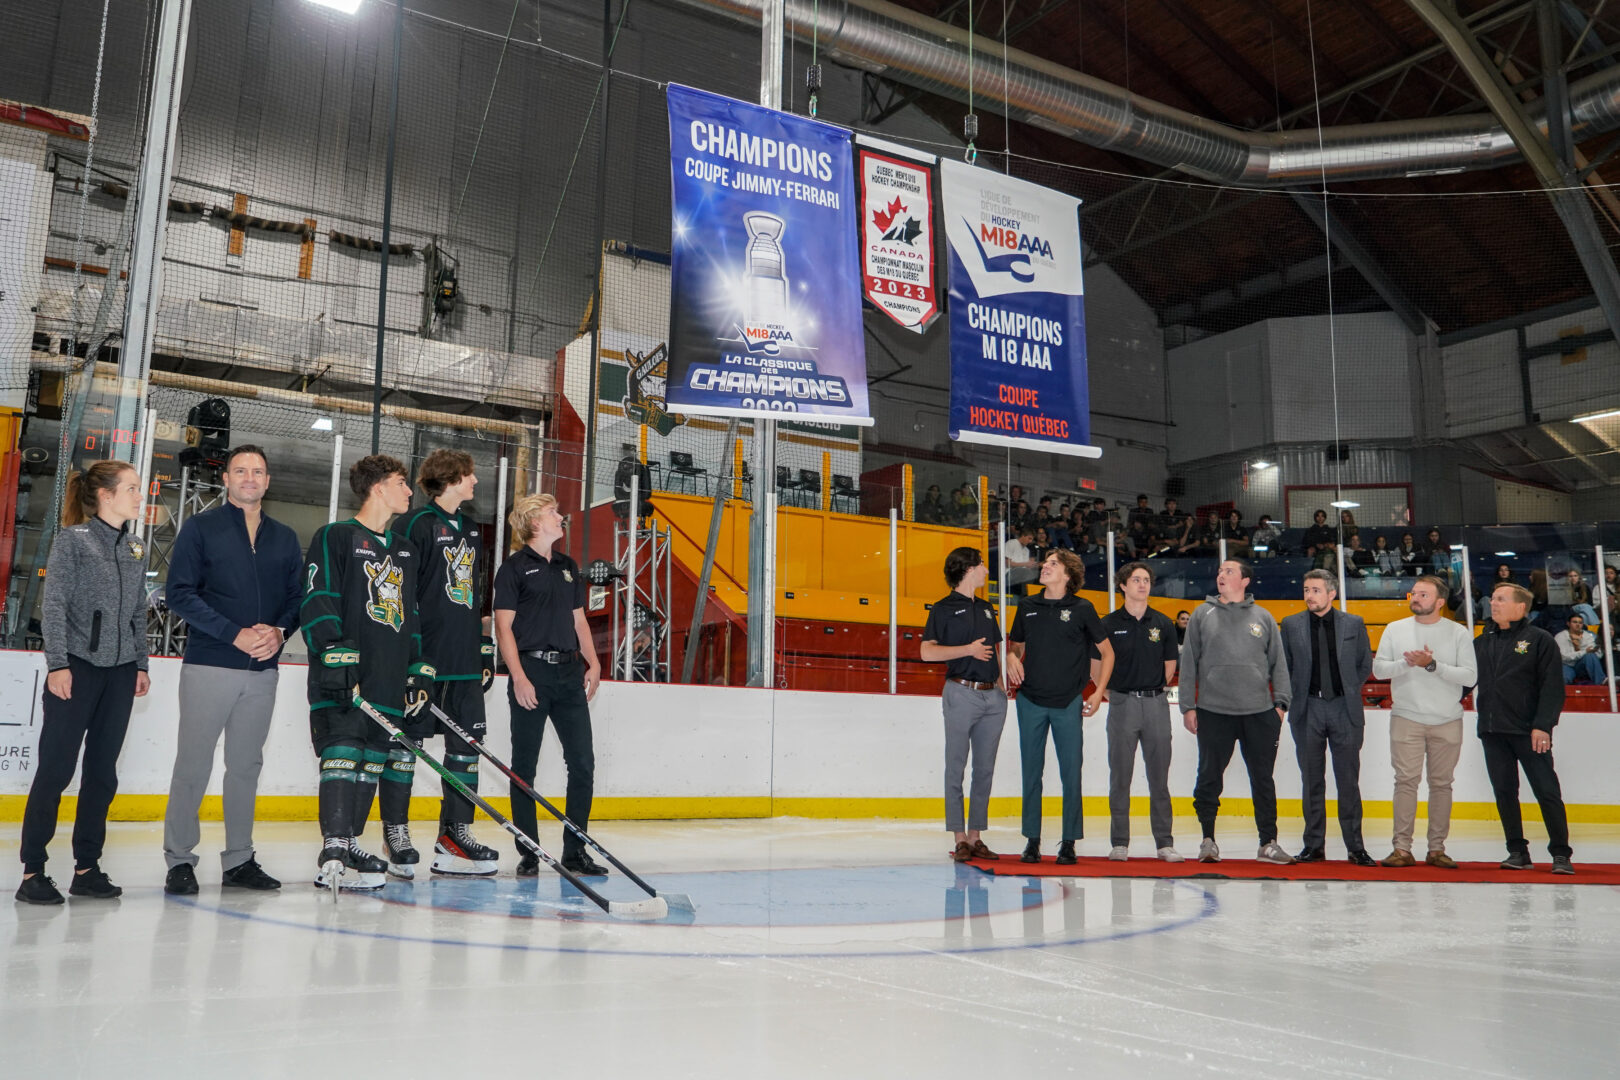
x,y
1518,698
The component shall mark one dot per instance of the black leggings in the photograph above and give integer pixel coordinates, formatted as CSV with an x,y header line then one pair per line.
x,y
94,718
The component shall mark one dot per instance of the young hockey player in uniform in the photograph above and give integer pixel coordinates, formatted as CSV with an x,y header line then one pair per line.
x,y
450,596
360,623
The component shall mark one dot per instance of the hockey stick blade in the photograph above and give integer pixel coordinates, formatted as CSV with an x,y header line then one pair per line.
x,y
676,901
651,909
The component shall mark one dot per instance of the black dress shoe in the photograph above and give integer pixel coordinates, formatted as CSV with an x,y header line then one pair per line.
x,y
1361,858
1312,854
529,865
582,865
249,875
1065,855
1032,851
182,881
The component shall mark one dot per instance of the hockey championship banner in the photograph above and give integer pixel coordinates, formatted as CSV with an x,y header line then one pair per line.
x,y
897,231
765,313
1017,313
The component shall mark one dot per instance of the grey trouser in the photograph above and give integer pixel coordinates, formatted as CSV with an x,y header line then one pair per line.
x,y
1145,720
1320,724
973,721
215,700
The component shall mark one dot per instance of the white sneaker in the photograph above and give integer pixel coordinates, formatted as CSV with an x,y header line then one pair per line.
x,y
1170,854
1208,851
1119,853
1273,853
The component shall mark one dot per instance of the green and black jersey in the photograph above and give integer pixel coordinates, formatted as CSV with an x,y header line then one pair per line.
x,y
450,589
360,587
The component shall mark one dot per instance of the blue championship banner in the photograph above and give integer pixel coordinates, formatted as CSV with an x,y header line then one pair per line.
x,y
765,312
1017,313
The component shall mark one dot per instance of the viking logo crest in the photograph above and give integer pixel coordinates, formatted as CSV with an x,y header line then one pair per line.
x,y
1064,615
1255,630
458,582
386,589
1521,647
1153,635
645,389
137,550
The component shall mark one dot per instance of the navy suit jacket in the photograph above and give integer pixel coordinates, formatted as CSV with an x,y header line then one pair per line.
x,y
1355,660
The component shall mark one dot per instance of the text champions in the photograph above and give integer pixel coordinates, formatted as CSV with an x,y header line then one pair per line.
x,y
760,152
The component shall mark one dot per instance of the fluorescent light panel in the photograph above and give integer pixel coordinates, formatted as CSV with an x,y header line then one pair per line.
x,y
323,424
348,7
1260,464
1344,504
1606,414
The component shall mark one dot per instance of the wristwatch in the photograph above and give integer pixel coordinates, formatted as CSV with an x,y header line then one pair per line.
x,y
1430,666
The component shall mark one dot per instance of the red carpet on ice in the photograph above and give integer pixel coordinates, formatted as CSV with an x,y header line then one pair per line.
x,y
1333,870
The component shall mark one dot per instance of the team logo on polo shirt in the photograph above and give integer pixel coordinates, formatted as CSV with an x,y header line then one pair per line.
x,y
1522,647
1064,615
1153,635
567,575
386,586
458,583
1255,630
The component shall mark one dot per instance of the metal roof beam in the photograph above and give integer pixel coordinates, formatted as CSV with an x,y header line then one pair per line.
x,y
1340,237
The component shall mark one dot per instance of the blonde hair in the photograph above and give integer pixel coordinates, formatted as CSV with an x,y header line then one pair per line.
x,y
524,511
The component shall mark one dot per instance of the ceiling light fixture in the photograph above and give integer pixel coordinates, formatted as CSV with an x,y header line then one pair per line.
x,y
347,7
1260,464
1344,504
1505,554
1606,414
323,424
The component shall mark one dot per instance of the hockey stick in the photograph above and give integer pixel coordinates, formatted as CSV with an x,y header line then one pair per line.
x,y
652,908
678,901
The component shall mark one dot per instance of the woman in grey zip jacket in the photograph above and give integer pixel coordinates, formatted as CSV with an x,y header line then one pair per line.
x,y
94,627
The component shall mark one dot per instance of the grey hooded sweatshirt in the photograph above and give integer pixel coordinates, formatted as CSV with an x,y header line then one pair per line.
x,y
1232,661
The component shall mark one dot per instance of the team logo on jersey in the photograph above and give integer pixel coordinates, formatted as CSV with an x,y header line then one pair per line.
x,y
1153,635
1522,647
1255,630
1064,615
458,582
568,576
136,549
309,579
386,588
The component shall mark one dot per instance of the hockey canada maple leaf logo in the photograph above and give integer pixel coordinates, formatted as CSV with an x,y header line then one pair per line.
x,y
904,231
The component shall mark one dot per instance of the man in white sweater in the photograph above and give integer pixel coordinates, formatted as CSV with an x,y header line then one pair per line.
x,y
1429,662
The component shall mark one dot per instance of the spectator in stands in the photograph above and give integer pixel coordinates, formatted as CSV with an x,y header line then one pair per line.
x,y
1384,557
1237,537
1142,514
1504,572
1182,618
1042,546
1320,535
1538,596
1175,524
1022,566
1360,560
1580,651
965,508
1438,551
1263,541
1580,597
1057,530
1022,518
1097,520
931,510
1347,527
1518,699
1411,555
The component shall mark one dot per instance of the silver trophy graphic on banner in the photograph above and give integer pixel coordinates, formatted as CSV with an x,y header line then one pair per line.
x,y
765,319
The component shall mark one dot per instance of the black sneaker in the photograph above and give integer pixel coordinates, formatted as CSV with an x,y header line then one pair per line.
x,y
582,865
1561,865
529,865
1065,855
182,881
38,889
94,884
248,875
1517,860
1032,851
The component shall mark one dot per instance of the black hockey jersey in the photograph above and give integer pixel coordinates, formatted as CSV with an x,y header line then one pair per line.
x,y
450,589
360,587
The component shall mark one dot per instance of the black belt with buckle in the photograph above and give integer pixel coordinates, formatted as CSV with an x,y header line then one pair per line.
x,y
552,656
1145,693
971,685
1320,696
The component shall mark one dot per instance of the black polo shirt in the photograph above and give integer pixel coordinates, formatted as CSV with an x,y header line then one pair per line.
x,y
962,620
1141,648
1058,637
544,593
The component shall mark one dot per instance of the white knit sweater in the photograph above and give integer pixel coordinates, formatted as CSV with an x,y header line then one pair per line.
x,y
1424,696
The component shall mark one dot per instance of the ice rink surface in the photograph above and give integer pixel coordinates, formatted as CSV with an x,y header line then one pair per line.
x,y
837,949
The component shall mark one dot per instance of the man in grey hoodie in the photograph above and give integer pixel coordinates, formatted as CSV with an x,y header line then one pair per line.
x,y
1234,692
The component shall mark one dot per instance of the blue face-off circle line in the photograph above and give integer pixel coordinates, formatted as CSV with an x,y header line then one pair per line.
x,y
1208,909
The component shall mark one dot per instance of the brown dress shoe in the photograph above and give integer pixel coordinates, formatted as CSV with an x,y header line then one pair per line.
x,y
1398,858
1442,860
963,852
982,852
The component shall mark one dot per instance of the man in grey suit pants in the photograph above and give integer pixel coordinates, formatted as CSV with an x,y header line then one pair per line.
x,y
1329,657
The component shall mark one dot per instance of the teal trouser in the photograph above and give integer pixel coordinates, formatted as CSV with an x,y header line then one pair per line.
x,y
1033,723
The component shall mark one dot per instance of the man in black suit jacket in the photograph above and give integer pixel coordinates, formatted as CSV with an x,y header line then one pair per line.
x,y
1329,657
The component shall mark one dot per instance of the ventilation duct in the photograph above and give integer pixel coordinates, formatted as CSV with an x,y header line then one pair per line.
x,y
931,55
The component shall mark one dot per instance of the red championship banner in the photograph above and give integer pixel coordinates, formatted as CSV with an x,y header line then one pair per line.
x,y
897,231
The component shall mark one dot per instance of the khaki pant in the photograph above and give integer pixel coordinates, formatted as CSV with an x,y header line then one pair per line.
x,y
1409,744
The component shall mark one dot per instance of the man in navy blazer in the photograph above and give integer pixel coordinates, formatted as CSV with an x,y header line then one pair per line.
x,y
1329,657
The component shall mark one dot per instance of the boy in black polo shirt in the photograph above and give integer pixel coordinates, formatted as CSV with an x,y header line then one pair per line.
x,y
1145,655
961,633
543,636
1052,637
